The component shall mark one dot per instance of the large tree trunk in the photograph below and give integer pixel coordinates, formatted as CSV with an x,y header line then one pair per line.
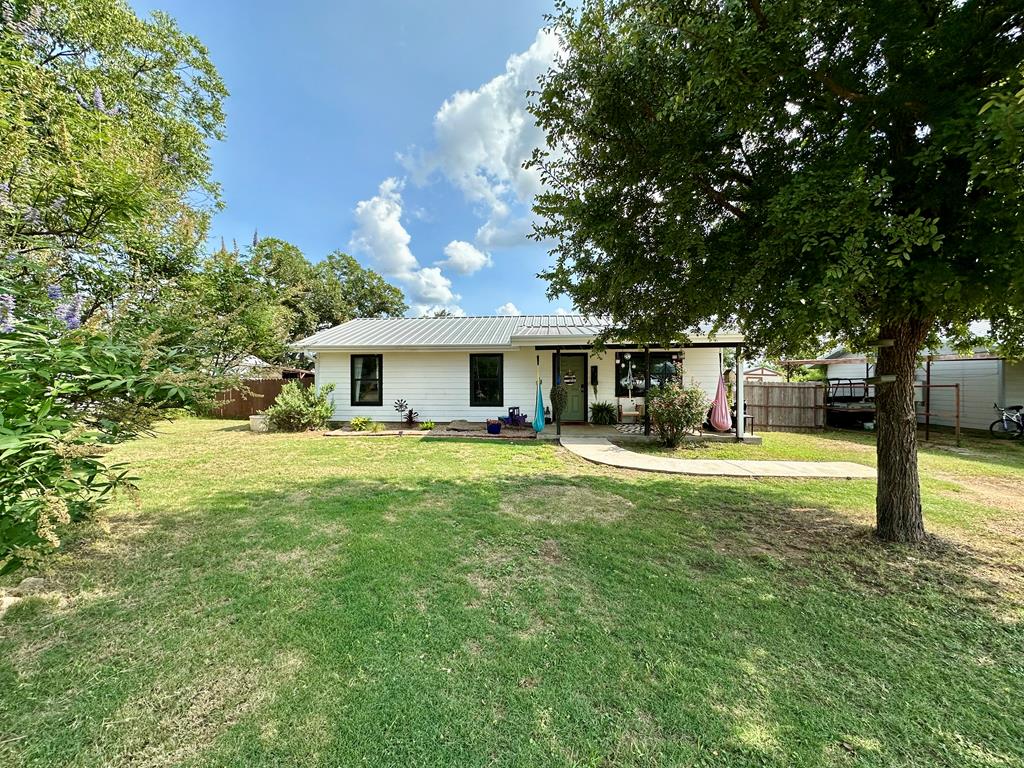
x,y
898,502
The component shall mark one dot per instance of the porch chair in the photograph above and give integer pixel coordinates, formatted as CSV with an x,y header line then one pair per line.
x,y
637,414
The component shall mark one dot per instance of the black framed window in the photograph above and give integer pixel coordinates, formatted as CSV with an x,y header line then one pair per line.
x,y
367,379
486,380
629,371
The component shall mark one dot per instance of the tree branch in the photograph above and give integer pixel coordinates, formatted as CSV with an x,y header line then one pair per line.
x,y
720,198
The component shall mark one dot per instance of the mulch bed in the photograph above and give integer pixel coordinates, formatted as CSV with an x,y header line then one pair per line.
x,y
457,428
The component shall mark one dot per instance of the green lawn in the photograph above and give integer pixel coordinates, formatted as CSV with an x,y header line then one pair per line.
x,y
275,600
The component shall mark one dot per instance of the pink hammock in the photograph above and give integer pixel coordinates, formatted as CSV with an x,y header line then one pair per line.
x,y
721,418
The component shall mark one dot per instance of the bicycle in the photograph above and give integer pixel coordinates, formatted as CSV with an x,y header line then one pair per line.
x,y
1009,425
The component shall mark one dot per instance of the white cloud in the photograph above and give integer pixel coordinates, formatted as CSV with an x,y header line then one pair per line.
x,y
379,231
563,311
483,137
425,310
380,235
508,308
464,258
428,285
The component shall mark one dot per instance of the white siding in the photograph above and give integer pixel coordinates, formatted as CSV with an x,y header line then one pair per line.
x,y
980,387
436,382
841,370
1013,385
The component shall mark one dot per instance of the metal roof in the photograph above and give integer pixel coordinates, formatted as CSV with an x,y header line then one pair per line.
x,y
471,332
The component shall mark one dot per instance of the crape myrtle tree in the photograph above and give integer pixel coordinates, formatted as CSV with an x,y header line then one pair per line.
x,y
810,169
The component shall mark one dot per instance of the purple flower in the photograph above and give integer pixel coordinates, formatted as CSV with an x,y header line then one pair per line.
x,y
33,217
70,313
27,27
81,101
58,203
54,293
6,313
97,99
172,159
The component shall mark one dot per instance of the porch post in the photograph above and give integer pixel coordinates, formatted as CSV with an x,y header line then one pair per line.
x,y
558,380
647,391
741,423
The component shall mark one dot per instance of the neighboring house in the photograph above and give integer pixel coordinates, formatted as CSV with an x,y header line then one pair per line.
x,y
762,374
254,368
984,379
476,368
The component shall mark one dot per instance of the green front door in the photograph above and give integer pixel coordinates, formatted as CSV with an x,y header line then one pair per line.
x,y
574,376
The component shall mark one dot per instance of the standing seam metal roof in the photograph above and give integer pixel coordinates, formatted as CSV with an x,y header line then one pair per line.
x,y
480,331
449,331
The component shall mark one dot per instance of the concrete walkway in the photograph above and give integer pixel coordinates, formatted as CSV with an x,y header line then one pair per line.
x,y
600,451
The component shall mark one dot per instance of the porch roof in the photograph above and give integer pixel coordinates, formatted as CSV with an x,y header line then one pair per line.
x,y
469,332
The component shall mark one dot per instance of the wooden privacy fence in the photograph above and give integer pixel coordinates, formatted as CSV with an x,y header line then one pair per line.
x,y
796,405
241,404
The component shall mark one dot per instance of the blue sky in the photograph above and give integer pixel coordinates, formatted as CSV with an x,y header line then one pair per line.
x,y
391,130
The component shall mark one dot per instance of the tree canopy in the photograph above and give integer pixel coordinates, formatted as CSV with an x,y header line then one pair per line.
x,y
807,170
104,163
238,304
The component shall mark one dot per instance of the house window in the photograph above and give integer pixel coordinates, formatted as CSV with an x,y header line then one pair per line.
x,y
367,380
486,383
629,371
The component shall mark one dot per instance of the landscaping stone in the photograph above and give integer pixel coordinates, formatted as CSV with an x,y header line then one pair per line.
x,y
32,585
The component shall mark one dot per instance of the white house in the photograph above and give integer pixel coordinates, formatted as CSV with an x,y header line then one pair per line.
x,y
475,368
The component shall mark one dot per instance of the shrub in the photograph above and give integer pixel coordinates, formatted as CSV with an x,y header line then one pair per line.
x,y
603,413
676,410
299,408
559,396
360,423
426,425
66,393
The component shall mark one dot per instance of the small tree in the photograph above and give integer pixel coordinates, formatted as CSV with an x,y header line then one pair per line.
x,y
677,410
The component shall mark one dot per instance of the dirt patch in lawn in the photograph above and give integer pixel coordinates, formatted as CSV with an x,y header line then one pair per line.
x,y
806,539
995,492
552,502
174,722
522,589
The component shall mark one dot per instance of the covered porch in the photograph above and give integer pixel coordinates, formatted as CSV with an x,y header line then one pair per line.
x,y
622,374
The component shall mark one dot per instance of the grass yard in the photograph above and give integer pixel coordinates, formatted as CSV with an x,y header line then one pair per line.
x,y
276,600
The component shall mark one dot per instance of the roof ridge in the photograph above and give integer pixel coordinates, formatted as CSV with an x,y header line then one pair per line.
x,y
476,317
